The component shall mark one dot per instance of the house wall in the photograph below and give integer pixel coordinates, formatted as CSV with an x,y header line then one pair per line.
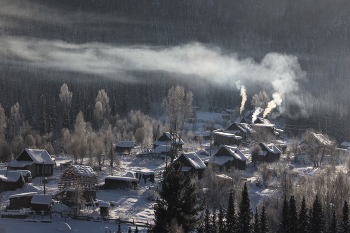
x,y
20,202
222,140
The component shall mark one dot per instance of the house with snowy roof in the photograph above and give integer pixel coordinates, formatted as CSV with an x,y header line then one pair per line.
x,y
262,123
38,162
192,164
269,153
41,202
124,147
229,157
127,181
166,140
11,180
226,138
241,129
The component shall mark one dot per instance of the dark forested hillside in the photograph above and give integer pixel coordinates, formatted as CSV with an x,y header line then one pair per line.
x,y
136,50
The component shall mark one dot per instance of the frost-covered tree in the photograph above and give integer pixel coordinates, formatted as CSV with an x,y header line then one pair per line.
x,y
3,124
101,110
15,121
65,96
260,100
177,107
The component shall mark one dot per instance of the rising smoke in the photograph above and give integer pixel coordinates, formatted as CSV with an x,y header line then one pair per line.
x,y
277,101
277,71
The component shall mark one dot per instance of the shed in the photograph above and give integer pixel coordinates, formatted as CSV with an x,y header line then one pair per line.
x,y
38,162
115,182
145,176
21,200
104,208
228,157
11,180
223,138
124,147
41,202
165,139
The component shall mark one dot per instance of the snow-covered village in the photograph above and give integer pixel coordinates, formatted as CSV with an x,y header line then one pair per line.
x,y
208,116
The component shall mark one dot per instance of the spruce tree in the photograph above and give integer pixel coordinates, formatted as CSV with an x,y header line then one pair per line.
x,y
136,230
344,226
285,215
221,223
333,227
207,220
178,199
264,228
292,216
231,221
119,230
303,220
317,222
214,225
256,221
244,214
129,230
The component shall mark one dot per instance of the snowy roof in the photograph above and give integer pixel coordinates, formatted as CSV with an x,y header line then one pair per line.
x,y
345,144
22,195
228,135
236,153
264,125
195,161
84,170
37,156
103,204
271,148
167,135
220,160
322,139
121,178
262,121
125,144
41,199
10,176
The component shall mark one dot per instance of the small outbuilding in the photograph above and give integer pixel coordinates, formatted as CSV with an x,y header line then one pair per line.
x,y
21,200
166,140
223,138
144,176
41,202
124,147
117,182
104,208
12,180
269,153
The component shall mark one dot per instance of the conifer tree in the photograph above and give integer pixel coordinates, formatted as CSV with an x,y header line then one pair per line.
x,y
264,228
303,220
136,230
256,221
207,220
344,226
244,214
293,216
285,215
214,225
119,230
231,221
317,219
129,231
333,227
221,223
178,199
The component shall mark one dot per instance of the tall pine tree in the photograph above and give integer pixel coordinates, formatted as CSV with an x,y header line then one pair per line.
x,y
264,226
221,223
303,220
231,221
292,216
284,222
256,221
333,228
344,226
317,223
178,199
245,213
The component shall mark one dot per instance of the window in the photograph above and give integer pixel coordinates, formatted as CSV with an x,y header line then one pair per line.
x,y
46,169
49,170
37,169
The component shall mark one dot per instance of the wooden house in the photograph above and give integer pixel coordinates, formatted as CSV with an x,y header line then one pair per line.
x,y
269,153
166,140
116,182
11,180
41,202
229,157
38,162
241,129
21,200
124,147
262,123
192,164
77,176
223,138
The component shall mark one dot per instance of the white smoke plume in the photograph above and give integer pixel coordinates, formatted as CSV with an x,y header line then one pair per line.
x,y
256,113
279,71
277,101
244,99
